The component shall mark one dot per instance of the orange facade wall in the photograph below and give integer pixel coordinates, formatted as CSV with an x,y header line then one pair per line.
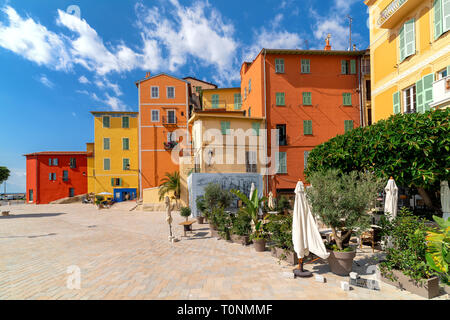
x,y
155,161
45,190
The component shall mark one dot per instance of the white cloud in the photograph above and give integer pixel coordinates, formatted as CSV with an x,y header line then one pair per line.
x,y
84,80
16,181
104,83
45,81
113,102
33,41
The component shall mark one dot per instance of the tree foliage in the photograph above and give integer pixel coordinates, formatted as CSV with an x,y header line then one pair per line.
x,y
170,183
4,174
412,148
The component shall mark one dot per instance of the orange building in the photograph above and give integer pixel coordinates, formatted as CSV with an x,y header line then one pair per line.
x,y
310,96
163,113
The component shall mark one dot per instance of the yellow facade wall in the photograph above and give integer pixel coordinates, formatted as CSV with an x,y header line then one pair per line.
x,y
226,98
90,167
116,153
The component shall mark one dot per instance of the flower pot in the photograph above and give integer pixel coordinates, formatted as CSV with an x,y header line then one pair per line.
x,y
341,262
428,288
260,245
214,231
285,255
244,240
200,220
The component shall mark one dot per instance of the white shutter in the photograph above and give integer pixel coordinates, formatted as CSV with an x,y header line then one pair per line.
x,y
446,14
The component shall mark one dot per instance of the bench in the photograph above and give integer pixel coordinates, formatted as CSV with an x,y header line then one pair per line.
x,y
187,225
5,213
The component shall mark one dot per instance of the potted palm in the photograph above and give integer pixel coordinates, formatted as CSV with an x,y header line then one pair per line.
x,y
200,203
170,184
341,202
252,207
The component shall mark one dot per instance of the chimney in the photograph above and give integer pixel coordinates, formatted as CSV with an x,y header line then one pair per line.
x,y
147,75
354,47
327,45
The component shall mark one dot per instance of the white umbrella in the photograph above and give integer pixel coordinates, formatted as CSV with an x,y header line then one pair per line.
x,y
252,189
390,203
270,202
305,234
445,199
105,194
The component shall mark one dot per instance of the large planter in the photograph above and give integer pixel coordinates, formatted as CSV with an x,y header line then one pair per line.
x,y
285,255
341,262
200,220
260,245
428,288
214,231
244,240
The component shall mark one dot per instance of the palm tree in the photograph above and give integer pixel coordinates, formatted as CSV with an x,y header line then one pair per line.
x,y
170,183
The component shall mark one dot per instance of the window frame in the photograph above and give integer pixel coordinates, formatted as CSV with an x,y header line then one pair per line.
x,y
279,62
109,122
104,164
104,144
411,105
167,92
151,115
305,66
279,95
307,128
347,99
279,162
123,144
128,122
278,126
151,92
305,96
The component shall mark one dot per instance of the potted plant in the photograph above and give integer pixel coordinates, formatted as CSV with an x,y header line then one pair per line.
x,y
405,265
252,207
341,202
283,205
98,202
185,212
215,198
280,230
241,228
200,203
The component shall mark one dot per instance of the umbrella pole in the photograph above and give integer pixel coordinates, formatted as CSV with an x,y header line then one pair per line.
x,y
300,272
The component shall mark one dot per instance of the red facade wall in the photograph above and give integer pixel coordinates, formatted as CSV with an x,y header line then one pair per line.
x,y
46,190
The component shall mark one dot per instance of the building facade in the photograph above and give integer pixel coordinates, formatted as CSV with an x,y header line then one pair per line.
x,y
309,96
116,155
222,98
53,176
410,55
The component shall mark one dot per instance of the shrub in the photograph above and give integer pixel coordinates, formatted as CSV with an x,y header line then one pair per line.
x,y
280,229
215,197
201,205
242,224
407,247
438,249
222,221
283,204
341,201
185,212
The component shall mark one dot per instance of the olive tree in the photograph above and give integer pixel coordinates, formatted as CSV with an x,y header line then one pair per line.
x,y
4,174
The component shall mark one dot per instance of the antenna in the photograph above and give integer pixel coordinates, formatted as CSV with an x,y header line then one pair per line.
x,y
307,44
350,19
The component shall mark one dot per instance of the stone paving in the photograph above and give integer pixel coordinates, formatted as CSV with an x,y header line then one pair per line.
x,y
126,255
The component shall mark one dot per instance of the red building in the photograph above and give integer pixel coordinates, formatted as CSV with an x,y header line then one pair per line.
x,y
55,175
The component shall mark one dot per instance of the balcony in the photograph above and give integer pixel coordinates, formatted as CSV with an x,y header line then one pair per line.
x,y
395,12
441,93
169,120
170,145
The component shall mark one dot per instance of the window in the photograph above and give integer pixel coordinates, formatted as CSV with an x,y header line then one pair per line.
x,y
305,159
170,92
65,175
407,40
73,163
348,125
71,192
106,122
409,99
126,122
279,65
155,115
348,66
281,162
171,118
307,127
442,74
52,176
55,161
306,66
125,164
368,90
347,99
307,98
282,138
126,144
237,101
171,136
249,112
106,164
116,182
225,127
250,162
30,195
106,144
280,99
50,163
256,126
155,92
215,101
245,93
198,89
249,86
441,17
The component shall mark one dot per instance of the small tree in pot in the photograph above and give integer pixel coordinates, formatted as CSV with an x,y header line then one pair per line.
x,y
341,202
214,198
201,207
242,228
185,212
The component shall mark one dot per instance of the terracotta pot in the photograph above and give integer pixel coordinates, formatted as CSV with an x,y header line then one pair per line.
x,y
244,240
429,288
285,255
341,262
260,245
200,220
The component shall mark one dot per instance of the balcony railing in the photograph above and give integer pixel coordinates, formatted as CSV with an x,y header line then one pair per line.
x,y
170,145
441,92
169,120
389,11
395,11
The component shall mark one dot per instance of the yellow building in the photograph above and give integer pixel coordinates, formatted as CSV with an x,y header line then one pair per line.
x,y
410,55
116,155
223,98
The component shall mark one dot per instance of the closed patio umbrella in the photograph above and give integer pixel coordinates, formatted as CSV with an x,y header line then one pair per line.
x,y
271,203
390,203
305,234
445,199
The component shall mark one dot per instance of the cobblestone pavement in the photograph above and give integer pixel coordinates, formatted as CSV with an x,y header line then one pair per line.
x,y
126,255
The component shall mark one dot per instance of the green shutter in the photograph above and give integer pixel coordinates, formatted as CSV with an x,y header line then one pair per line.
x,y
419,96
448,71
353,66
256,126
237,101
225,127
106,164
307,98
438,27
112,182
126,144
427,91
402,44
410,38
125,122
446,15
279,65
343,66
347,99
106,145
348,125
50,162
120,182
306,66
307,127
215,101
125,163
50,176
396,102
281,161
106,122
280,99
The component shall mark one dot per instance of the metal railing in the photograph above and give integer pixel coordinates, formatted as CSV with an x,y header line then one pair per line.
x,y
169,120
389,11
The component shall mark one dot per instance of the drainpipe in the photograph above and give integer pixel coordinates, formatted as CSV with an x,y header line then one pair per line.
x,y
265,119
361,107
139,138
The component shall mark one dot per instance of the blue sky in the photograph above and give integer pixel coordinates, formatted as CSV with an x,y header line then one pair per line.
x,y
56,65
